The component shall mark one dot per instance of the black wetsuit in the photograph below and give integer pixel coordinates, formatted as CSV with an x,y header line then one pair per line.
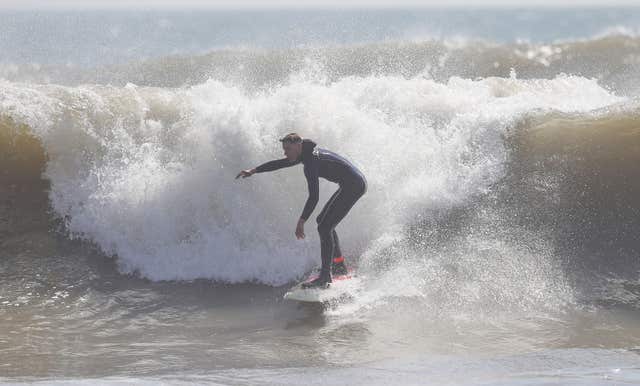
x,y
330,166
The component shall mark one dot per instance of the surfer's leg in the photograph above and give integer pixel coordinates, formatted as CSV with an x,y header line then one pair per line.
x,y
337,252
328,241
338,265
326,245
336,210
323,212
333,212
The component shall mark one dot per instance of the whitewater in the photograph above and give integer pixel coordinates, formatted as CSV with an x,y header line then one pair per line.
x,y
497,242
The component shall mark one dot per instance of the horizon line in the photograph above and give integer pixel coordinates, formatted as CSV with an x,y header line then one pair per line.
x,y
298,6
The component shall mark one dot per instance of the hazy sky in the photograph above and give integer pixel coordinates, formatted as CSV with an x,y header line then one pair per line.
x,y
48,4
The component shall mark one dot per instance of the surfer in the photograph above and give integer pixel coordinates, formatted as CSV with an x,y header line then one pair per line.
x,y
323,163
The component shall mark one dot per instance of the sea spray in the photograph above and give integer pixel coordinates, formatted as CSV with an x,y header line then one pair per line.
x,y
148,173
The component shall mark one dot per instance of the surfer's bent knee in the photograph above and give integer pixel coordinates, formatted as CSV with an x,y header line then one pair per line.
x,y
324,228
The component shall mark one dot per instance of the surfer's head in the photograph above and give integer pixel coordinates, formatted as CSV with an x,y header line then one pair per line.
x,y
292,146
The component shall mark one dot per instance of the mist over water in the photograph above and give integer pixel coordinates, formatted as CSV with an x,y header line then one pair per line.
x,y
499,230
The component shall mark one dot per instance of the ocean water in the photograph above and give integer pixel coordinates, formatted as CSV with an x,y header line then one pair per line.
x,y
498,243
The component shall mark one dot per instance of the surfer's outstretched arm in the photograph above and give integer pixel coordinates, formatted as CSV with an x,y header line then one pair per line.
x,y
246,173
275,165
267,167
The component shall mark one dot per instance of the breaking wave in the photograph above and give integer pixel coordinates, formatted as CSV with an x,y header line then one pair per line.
x,y
485,191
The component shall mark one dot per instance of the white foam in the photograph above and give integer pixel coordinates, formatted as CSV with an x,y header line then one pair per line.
x,y
148,174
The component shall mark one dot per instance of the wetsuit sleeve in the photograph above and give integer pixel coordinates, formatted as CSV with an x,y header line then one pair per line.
x,y
274,165
311,173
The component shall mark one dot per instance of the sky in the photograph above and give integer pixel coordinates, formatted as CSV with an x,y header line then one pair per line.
x,y
123,4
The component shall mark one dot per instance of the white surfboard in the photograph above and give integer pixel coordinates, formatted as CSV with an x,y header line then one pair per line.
x,y
342,287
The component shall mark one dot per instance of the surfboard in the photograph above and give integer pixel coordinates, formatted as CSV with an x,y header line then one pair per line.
x,y
342,287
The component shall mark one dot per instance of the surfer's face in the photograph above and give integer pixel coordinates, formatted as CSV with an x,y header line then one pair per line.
x,y
292,150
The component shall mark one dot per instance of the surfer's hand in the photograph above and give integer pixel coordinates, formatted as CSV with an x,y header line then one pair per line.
x,y
300,229
246,173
